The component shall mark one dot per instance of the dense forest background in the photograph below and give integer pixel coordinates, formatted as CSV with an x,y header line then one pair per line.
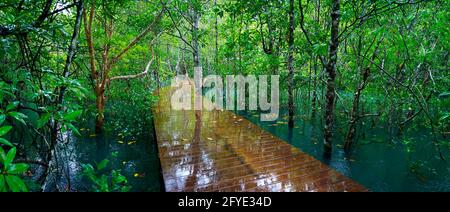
x,y
77,68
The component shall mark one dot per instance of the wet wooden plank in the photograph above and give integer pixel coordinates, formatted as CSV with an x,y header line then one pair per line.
x,y
220,151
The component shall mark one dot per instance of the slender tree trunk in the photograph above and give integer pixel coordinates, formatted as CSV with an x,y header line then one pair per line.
x,y
70,56
101,78
354,116
106,67
318,11
240,44
216,29
195,36
331,71
100,104
198,72
291,64
314,95
156,73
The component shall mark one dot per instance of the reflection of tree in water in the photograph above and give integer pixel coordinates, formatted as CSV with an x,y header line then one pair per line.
x,y
196,147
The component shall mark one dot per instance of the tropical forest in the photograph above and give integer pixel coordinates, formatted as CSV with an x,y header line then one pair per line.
x,y
335,95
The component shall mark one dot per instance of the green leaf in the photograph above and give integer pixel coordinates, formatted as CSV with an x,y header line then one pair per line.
x,y
2,118
88,170
102,165
74,129
320,49
18,116
2,155
16,184
2,184
118,178
125,189
72,116
6,142
4,130
103,183
11,106
43,120
19,168
10,157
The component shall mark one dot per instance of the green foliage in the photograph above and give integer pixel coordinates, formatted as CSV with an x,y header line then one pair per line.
x,y
409,73
113,181
10,172
409,145
4,130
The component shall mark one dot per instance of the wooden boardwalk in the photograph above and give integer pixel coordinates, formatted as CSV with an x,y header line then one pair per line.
x,y
220,151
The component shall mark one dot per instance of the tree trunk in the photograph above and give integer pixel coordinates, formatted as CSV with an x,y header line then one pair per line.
x,y
314,95
331,71
156,73
101,78
354,116
195,36
216,29
100,104
291,64
198,72
55,129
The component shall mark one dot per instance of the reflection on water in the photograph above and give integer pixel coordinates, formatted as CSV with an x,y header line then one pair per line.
x,y
219,151
380,162
130,147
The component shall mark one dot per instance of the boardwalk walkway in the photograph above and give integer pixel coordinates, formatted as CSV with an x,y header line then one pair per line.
x,y
219,151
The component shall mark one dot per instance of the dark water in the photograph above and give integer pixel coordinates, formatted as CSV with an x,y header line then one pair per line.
x,y
129,143
379,161
382,160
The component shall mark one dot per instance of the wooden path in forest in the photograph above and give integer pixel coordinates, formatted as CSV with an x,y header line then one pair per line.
x,y
220,151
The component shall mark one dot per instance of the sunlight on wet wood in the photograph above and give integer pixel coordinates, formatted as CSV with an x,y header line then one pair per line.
x,y
220,151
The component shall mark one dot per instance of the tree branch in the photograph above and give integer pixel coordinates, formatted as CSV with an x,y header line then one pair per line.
x,y
306,33
377,11
64,8
90,40
137,38
180,35
147,68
